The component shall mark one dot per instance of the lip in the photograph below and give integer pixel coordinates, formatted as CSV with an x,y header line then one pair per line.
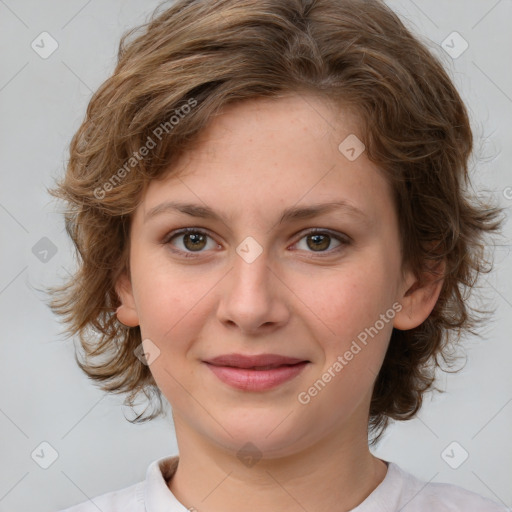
x,y
245,361
238,370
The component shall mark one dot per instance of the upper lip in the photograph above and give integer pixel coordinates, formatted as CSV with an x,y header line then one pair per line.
x,y
244,361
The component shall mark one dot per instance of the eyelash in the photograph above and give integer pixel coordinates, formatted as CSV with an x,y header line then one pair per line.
x,y
343,239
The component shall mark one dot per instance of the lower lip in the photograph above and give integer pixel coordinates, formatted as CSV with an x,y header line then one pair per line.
x,y
256,380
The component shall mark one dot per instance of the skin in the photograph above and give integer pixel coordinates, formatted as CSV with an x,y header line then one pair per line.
x,y
254,160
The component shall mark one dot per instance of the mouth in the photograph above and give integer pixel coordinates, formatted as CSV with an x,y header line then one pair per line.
x,y
256,362
267,367
255,373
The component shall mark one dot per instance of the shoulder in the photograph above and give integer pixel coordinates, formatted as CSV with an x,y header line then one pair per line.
x,y
149,494
420,496
129,499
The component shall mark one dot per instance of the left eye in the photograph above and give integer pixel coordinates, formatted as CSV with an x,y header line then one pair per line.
x,y
195,240
317,239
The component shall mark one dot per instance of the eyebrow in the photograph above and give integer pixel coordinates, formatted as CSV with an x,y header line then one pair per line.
x,y
289,214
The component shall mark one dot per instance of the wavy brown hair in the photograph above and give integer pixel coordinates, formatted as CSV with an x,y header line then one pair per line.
x,y
208,54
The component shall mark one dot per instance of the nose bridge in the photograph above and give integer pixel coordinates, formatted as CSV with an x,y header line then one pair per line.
x,y
251,299
250,274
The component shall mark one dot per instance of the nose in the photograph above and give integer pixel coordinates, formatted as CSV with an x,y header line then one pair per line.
x,y
254,297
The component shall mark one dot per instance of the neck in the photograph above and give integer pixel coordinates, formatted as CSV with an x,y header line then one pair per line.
x,y
337,473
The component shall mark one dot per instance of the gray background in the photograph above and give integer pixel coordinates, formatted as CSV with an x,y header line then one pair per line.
x,y
43,395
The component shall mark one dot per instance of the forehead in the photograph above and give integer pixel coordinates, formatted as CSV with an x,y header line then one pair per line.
x,y
280,118
270,154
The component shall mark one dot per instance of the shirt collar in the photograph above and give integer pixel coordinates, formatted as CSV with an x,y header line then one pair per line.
x,y
386,496
159,498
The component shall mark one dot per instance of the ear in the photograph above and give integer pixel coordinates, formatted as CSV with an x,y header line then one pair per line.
x,y
419,296
127,311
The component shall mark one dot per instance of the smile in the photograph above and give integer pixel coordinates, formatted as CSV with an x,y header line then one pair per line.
x,y
257,378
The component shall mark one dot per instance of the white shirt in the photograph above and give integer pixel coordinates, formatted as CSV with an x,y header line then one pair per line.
x,y
398,492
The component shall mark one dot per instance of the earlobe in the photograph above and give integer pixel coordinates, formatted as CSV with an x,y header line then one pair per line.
x,y
127,311
419,299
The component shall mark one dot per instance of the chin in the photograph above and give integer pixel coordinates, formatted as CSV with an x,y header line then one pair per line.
x,y
257,439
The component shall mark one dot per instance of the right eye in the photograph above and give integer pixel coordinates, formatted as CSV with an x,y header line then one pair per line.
x,y
193,240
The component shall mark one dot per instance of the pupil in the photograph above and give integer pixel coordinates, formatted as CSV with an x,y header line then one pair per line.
x,y
195,238
317,238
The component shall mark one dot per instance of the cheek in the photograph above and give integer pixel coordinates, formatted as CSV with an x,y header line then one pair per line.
x,y
353,334
170,311
346,301
167,309
166,296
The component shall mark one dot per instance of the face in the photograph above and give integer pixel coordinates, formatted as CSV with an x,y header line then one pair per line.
x,y
251,281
